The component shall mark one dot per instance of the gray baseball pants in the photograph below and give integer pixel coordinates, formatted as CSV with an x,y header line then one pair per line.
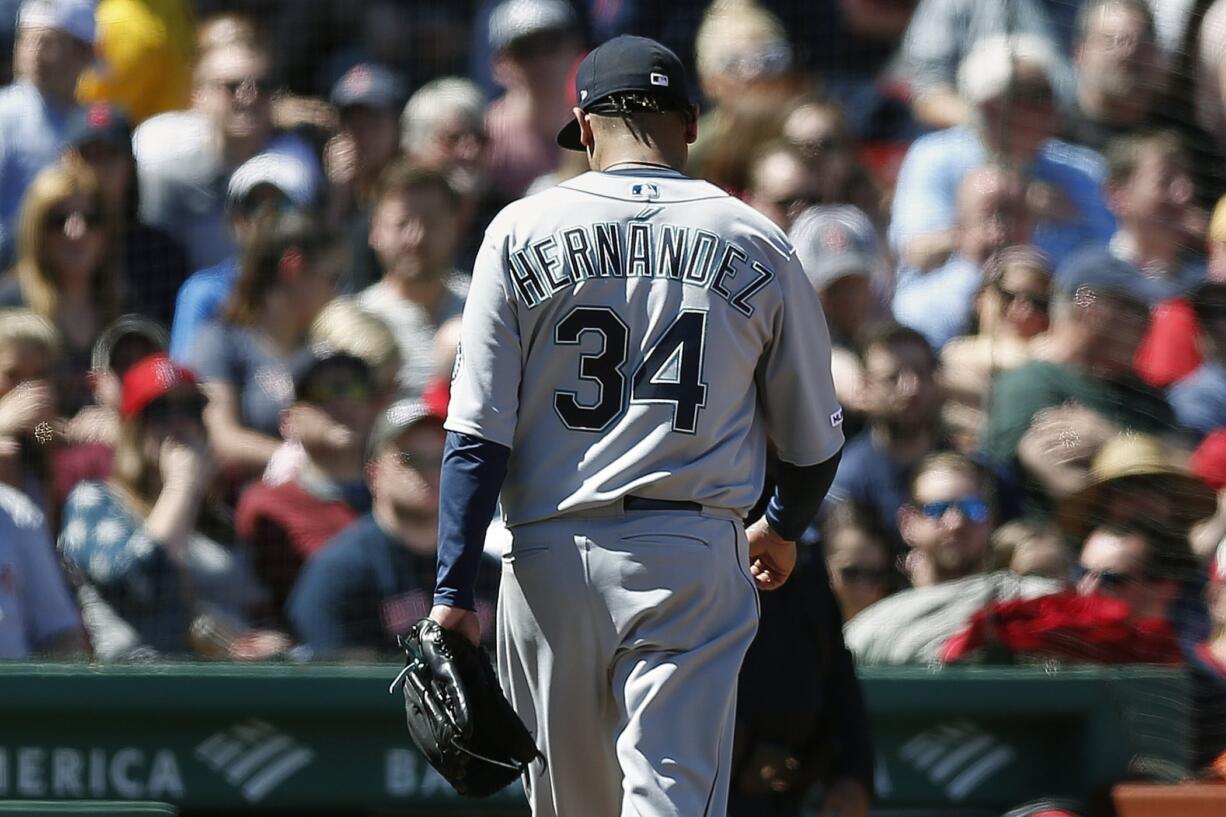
x,y
620,637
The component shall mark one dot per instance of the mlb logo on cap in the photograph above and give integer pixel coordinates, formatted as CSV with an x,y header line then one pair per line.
x,y
659,79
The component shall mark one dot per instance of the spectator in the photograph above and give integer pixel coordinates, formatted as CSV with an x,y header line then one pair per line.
x,y
55,40
841,254
67,271
1199,400
92,434
38,619
185,158
536,45
853,46
943,32
818,129
1149,189
1133,477
330,418
263,187
1121,73
822,736
781,183
29,346
1097,321
288,275
345,327
154,265
146,52
139,541
1028,549
1141,563
991,215
1007,81
903,406
747,71
376,577
413,231
369,98
946,522
1011,315
1208,666
858,557
443,128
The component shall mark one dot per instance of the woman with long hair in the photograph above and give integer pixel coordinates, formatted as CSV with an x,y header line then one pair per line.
x,y
286,277
1012,316
150,575
66,270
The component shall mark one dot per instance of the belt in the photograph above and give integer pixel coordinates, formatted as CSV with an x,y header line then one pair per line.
x,y
642,503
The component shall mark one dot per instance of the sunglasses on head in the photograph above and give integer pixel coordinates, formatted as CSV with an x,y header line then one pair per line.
x,y
1008,296
168,409
863,575
58,219
1109,580
973,508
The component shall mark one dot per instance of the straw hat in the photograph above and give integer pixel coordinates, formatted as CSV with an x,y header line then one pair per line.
x,y
1124,457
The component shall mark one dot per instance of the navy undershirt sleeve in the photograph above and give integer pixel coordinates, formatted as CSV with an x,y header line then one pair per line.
x,y
799,491
473,471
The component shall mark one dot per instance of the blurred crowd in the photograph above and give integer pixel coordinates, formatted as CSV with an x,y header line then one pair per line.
x,y
238,234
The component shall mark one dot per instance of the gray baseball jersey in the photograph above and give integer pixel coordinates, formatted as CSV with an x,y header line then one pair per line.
x,y
640,332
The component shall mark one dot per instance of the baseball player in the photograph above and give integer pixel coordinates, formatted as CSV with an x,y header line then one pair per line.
x,y
630,340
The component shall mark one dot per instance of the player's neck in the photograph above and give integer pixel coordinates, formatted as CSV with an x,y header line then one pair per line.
x,y
637,155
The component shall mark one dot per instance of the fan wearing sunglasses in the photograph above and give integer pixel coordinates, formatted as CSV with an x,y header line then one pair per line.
x,y
947,519
144,546
67,271
1138,562
1012,311
331,416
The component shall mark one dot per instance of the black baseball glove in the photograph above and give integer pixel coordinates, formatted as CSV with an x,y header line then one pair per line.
x,y
457,714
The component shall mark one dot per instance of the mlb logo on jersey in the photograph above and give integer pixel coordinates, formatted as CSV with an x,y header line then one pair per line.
x,y
836,419
646,191
659,79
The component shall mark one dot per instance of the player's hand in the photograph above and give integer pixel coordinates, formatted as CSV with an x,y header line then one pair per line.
x,y
462,621
771,557
846,797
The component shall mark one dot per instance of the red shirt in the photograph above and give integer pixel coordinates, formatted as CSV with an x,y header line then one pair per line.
x,y
1169,351
284,524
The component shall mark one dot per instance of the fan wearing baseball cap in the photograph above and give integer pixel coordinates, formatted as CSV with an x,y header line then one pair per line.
x,y
55,41
535,44
136,540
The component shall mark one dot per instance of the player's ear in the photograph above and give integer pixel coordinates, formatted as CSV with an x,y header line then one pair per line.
x,y
585,127
691,126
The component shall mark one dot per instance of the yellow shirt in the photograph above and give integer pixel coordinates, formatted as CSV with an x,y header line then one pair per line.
x,y
145,50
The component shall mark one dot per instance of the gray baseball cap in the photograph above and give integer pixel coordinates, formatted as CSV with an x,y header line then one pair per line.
x,y
515,19
395,420
835,241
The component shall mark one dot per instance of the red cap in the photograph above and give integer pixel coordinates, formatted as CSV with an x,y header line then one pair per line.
x,y
148,380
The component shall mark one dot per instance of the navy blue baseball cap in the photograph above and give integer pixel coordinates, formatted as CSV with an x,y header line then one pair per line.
x,y
1100,271
369,84
627,64
100,122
